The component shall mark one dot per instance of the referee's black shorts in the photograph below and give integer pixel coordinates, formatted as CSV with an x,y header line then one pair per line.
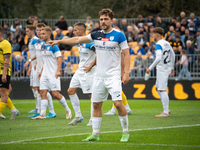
x,y
5,85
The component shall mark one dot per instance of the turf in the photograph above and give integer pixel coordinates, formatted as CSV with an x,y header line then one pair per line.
x,y
179,131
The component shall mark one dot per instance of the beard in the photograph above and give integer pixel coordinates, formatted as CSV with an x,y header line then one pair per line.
x,y
105,27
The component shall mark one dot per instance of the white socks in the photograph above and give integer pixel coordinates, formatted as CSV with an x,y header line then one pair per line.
x,y
75,103
127,107
39,103
96,123
36,95
113,109
44,103
91,110
165,102
50,104
124,123
64,103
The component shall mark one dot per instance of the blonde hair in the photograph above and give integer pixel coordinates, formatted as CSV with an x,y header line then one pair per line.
x,y
47,28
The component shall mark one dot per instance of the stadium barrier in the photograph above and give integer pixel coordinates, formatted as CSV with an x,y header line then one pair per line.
x,y
135,89
70,65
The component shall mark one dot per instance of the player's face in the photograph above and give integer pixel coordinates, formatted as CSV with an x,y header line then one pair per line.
x,y
39,31
28,32
44,35
77,31
105,22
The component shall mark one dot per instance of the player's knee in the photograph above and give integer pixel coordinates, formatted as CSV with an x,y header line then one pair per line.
x,y
70,91
118,104
96,106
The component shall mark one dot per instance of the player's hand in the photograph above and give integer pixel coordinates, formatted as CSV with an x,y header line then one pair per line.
x,y
4,79
125,78
122,74
57,74
35,66
87,68
29,72
148,70
172,73
39,75
54,42
26,64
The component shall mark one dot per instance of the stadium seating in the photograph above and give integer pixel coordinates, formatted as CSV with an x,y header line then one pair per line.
x,y
16,53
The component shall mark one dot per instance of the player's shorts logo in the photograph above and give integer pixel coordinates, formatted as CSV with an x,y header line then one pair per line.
x,y
112,38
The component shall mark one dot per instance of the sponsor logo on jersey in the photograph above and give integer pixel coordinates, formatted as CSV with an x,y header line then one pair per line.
x,y
81,46
112,38
104,39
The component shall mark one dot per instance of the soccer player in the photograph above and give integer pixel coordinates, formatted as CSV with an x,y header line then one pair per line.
x,y
34,81
5,73
50,75
81,79
164,63
108,43
38,67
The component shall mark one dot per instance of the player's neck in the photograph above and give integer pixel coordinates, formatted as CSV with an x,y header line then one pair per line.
x,y
47,40
158,39
108,30
32,36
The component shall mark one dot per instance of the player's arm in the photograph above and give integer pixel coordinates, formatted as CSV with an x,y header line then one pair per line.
x,y
58,66
28,61
70,41
126,54
39,75
122,65
6,66
172,61
88,68
158,50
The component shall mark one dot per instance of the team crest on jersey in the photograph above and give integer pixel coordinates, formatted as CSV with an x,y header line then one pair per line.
x,y
48,48
112,38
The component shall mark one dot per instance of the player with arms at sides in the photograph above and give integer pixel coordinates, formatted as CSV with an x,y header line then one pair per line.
x,y
5,73
124,99
164,63
108,43
30,32
81,78
50,75
38,67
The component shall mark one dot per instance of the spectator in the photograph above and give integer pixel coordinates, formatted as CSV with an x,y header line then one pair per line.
x,y
169,39
171,32
15,45
140,22
141,38
64,63
24,53
152,49
89,23
146,29
62,24
184,71
198,39
16,23
19,63
137,66
70,33
131,50
192,18
189,51
96,27
162,24
177,33
130,36
59,34
184,23
151,21
18,31
6,34
178,26
64,47
30,20
186,37
135,29
115,22
69,68
123,25
73,59
182,16
173,22
192,39
182,30
20,40
176,44
149,60
192,27
141,49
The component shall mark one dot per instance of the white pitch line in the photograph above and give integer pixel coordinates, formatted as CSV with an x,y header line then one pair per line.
x,y
157,128
111,143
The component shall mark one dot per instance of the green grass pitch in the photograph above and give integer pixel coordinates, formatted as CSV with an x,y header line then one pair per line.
x,y
180,131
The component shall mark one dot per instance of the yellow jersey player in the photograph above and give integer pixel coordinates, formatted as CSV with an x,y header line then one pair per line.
x,y
124,99
5,73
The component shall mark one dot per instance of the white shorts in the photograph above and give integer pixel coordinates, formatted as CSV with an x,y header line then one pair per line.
x,y
102,87
50,83
34,80
83,81
162,80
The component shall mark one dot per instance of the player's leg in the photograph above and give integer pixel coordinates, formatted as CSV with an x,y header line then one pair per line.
x,y
91,112
38,101
63,102
125,103
4,97
161,86
52,113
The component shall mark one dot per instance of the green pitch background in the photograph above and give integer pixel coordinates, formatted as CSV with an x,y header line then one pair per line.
x,y
179,131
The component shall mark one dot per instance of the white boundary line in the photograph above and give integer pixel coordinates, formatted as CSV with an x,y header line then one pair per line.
x,y
42,138
109,143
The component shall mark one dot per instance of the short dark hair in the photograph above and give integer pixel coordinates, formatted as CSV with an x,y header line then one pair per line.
x,y
107,12
158,30
1,29
39,25
81,25
31,27
24,46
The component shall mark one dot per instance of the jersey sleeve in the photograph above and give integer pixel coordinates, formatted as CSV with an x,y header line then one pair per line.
x,y
89,36
91,46
122,41
158,47
7,48
56,51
